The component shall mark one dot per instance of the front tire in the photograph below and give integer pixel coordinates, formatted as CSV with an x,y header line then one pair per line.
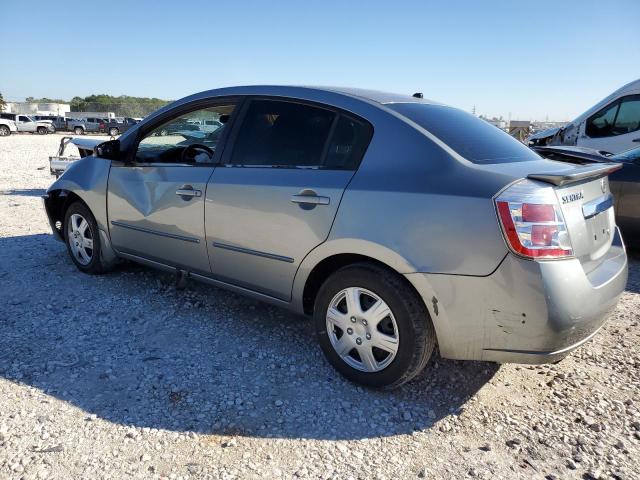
x,y
114,131
78,131
83,239
372,326
42,131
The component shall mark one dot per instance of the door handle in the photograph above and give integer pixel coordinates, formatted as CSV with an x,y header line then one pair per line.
x,y
188,191
309,199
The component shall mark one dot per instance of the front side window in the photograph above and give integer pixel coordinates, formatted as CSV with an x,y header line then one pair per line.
x,y
167,142
282,134
22,118
628,118
600,124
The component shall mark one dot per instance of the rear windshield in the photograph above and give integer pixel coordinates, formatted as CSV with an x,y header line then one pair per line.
x,y
471,137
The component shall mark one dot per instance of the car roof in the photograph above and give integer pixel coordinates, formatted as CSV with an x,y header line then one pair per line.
x,y
375,96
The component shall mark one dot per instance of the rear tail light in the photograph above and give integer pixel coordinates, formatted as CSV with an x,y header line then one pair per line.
x,y
532,221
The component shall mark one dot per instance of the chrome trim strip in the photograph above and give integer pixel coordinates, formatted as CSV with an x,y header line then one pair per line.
x,y
253,252
155,232
599,205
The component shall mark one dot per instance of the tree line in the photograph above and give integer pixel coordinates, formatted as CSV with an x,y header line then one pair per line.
x,y
122,106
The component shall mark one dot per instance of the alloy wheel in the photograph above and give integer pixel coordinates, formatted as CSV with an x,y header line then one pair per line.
x,y
80,239
362,329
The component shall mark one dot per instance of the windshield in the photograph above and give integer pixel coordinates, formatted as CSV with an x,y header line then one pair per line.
x,y
472,138
632,155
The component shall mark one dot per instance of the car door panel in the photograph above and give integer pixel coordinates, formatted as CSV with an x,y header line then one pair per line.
x,y
149,218
258,232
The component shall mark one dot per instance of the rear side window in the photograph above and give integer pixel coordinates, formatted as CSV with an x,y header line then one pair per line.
x,y
286,134
349,141
470,137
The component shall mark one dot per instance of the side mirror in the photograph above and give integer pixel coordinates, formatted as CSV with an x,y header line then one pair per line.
x,y
109,150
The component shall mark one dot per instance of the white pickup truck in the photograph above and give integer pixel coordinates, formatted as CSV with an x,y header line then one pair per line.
x,y
7,127
24,123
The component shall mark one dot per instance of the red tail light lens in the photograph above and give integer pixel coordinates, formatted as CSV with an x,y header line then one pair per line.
x,y
532,212
532,221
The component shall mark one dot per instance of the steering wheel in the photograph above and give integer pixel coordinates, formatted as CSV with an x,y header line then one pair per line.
x,y
190,152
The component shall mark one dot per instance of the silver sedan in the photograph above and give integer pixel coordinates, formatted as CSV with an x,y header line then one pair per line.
x,y
397,223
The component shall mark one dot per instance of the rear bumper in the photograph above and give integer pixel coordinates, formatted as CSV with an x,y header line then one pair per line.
x,y
526,311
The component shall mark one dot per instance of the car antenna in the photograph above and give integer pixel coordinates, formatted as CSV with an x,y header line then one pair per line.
x,y
418,95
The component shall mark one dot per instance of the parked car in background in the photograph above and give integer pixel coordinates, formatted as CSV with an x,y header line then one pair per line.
x,y
393,221
206,126
114,127
24,123
84,125
612,125
59,123
7,127
625,183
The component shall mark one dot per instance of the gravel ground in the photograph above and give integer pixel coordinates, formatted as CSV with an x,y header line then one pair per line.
x,y
122,376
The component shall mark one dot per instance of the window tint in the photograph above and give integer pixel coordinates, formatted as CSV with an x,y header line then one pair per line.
x,y
472,138
23,118
277,133
349,141
628,119
600,124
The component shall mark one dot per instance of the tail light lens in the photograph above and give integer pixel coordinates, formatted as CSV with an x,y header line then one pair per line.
x,y
532,221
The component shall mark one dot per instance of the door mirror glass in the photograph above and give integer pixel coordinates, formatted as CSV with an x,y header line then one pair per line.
x,y
109,150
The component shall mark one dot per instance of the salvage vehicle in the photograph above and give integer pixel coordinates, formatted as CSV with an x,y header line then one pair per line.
x,y
24,123
115,127
59,123
625,183
7,127
83,125
395,222
612,125
59,162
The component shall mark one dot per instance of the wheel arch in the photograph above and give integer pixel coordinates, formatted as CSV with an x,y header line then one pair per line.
x,y
335,254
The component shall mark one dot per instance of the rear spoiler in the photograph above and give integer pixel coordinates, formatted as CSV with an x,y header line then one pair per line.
x,y
576,174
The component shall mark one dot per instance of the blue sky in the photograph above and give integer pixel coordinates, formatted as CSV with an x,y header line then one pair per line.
x,y
529,59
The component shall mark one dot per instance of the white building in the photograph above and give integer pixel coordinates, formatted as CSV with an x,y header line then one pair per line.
x,y
30,108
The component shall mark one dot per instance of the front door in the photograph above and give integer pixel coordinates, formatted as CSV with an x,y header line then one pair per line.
x,y
156,203
276,195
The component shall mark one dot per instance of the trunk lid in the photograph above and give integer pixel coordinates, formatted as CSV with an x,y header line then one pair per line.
x,y
587,206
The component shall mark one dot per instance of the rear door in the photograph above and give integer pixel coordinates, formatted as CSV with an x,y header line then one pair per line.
x,y
275,196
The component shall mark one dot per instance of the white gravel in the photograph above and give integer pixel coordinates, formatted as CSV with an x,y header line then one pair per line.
x,y
122,376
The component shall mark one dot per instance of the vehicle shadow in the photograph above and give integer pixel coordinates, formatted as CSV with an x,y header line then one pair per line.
x,y
131,349
633,284
25,192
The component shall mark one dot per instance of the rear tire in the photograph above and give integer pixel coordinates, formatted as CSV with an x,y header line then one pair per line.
x,y
114,131
42,131
82,238
78,131
4,131
406,328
